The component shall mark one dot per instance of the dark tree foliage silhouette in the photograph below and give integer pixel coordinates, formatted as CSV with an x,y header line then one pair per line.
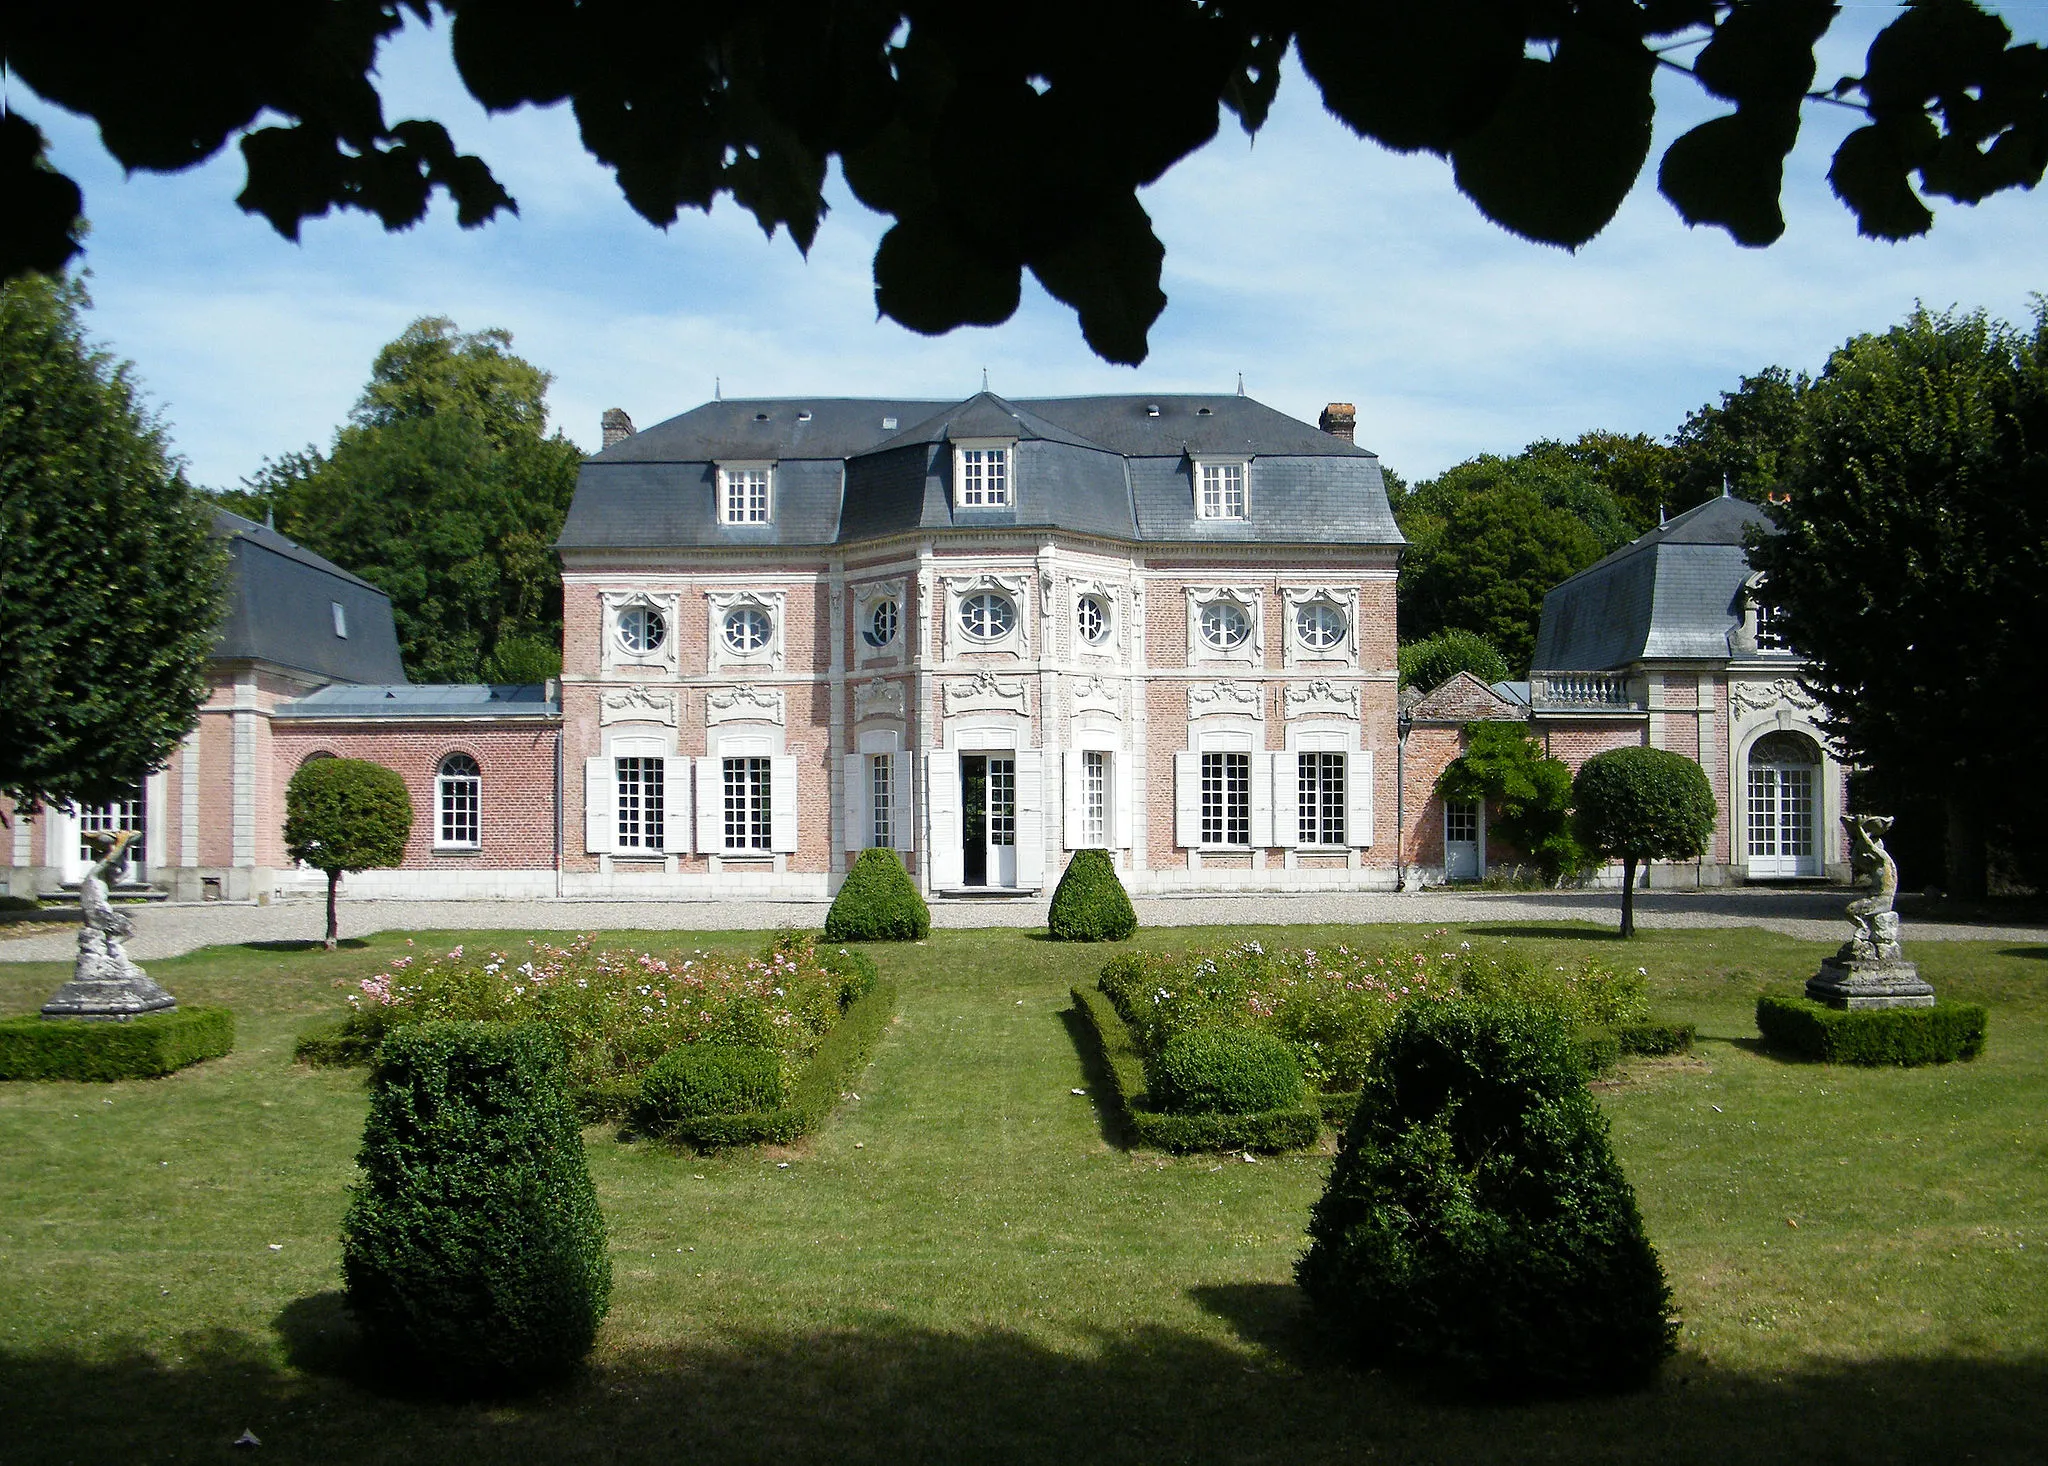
x,y
1543,108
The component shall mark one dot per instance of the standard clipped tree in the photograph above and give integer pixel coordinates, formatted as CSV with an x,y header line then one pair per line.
x,y
1639,804
343,814
109,579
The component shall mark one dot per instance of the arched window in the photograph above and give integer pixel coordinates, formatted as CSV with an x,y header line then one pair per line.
x,y
1784,789
458,796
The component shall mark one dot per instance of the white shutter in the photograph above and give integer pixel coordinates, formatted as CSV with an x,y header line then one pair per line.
x,y
1077,804
1262,800
782,804
710,806
600,811
1287,798
854,796
942,808
1120,779
1187,799
1030,818
675,806
899,800
1358,799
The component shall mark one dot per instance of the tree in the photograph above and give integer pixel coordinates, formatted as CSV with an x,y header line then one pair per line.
x,y
1544,112
442,492
1912,570
343,814
1642,804
110,581
1431,662
1530,793
1748,440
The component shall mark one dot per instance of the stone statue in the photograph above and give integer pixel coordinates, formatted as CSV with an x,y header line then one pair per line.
x,y
1871,970
105,983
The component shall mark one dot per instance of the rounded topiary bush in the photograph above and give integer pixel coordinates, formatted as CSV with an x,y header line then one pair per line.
x,y
473,1251
708,1079
1224,1071
1090,903
1476,1218
878,903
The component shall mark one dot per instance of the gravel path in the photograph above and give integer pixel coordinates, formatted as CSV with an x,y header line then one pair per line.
x,y
171,930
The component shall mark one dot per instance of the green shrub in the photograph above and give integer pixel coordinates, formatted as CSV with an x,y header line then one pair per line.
x,y
1652,1038
1872,1036
473,1251
1090,904
707,1079
856,972
1431,662
1598,1049
338,1043
1223,1071
1476,1218
104,1050
878,903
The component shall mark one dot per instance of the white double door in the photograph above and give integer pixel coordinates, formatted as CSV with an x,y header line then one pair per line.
x,y
1781,832
987,811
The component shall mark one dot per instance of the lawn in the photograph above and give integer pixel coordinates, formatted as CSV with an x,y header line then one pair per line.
x,y
964,1265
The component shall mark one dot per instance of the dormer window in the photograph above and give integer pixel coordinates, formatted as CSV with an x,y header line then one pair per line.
x,y
1220,490
1768,637
744,493
340,619
983,476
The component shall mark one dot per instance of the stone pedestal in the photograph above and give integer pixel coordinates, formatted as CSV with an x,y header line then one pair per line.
x,y
105,984
1871,971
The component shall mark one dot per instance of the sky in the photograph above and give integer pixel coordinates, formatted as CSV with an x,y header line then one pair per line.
x,y
1317,265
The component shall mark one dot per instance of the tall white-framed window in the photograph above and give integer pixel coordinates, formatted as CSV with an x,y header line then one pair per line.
x,y
1220,490
458,803
1769,638
881,800
1226,799
1095,797
745,493
983,475
1319,784
749,808
641,803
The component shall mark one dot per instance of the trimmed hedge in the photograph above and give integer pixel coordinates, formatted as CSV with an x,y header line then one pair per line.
x,y
878,903
473,1251
1267,1131
1224,1071
838,1061
1941,1034
1090,903
103,1050
707,1079
1476,1219
336,1043
856,971
1654,1039
1598,1050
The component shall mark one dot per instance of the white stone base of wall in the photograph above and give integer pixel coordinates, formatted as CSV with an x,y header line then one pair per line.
x,y
424,885
728,885
1274,878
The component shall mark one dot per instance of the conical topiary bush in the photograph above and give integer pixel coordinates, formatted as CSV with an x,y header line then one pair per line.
x,y
878,903
1476,1218
1090,904
473,1251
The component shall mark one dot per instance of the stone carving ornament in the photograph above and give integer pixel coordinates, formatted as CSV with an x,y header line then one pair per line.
x,y
1871,970
104,982
1240,699
986,690
877,699
1320,696
1755,697
743,704
636,705
1093,694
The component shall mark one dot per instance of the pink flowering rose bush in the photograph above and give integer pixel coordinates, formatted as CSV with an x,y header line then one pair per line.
x,y
616,1010
1331,1004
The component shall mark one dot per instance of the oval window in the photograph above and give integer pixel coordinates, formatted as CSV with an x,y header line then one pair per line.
x,y
986,616
1092,618
642,629
1320,625
746,630
881,627
1225,625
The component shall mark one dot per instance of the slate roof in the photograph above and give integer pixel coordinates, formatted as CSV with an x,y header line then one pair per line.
x,y
1674,593
426,700
1463,698
280,604
855,468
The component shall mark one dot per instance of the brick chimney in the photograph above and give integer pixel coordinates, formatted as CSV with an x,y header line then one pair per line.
x,y
617,426
1339,420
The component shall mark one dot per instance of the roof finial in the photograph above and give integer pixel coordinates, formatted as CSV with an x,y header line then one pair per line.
x,y
1724,485
270,516
984,379
1240,384
1660,516
717,389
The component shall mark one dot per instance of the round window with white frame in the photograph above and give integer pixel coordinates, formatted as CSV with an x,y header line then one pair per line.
x,y
747,630
1320,625
1091,619
1225,626
881,627
987,616
642,630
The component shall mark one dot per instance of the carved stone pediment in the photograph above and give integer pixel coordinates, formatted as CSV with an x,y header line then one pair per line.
x,y
1236,699
987,691
1756,697
1300,699
636,705
743,704
876,698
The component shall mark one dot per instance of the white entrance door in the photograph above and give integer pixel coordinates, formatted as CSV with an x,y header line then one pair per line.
x,y
1781,839
1461,839
988,799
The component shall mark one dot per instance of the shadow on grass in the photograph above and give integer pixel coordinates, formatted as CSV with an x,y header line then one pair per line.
x,y
1549,933
882,1392
2038,954
1109,1120
345,944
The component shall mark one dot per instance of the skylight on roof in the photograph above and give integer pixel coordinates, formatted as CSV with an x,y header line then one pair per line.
x,y
888,424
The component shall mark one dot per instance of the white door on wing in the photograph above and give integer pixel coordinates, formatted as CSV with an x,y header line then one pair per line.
x,y
1461,839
